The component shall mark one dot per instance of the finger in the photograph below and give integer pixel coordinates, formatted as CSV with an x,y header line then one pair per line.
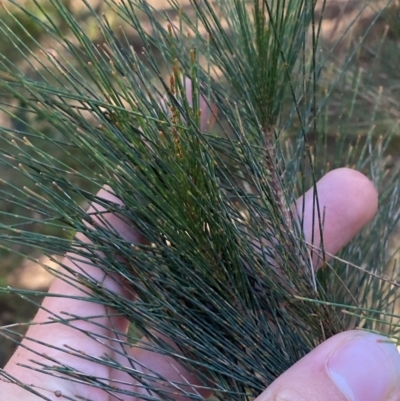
x,y
93,318
351,366
158,371
88,270
83,267
347,201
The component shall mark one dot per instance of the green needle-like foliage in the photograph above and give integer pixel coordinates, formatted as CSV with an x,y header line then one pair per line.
x,y
207,134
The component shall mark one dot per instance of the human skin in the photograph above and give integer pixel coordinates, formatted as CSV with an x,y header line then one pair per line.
x,y
352,366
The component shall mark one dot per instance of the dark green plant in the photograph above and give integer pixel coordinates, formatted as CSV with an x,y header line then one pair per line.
x,y
207,135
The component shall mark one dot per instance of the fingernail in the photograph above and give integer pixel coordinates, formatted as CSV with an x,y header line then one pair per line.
x,y
365,368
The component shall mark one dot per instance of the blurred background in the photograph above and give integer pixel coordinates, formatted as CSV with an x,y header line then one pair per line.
x,y
370,87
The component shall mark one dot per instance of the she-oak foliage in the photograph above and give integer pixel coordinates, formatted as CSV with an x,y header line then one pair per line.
x,y
207,133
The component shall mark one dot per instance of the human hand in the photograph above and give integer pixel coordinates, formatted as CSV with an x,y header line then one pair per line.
x,y
350,366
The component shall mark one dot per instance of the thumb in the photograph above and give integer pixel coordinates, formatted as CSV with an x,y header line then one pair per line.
x,y
351,366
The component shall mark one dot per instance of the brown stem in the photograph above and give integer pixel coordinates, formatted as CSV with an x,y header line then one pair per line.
x,y
274,177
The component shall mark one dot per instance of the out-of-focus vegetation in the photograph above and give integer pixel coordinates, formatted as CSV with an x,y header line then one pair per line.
x,y
372,109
